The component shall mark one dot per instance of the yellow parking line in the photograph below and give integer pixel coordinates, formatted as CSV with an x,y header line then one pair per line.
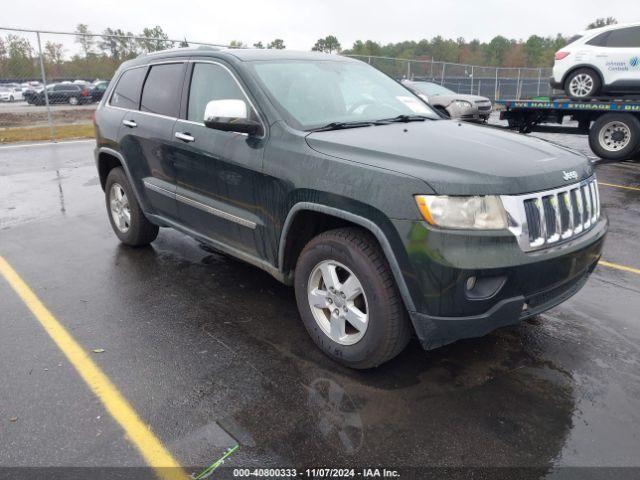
x,y
155,455
619,186
619,267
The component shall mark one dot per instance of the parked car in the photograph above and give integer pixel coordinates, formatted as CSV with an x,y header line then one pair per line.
x,y
386,219
61,93
598,62
98,89
10,94
450,103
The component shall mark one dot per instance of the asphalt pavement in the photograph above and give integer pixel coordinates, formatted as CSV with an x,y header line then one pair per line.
x,y
211,353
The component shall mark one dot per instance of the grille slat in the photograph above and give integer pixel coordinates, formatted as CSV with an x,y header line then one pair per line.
x,y
561,214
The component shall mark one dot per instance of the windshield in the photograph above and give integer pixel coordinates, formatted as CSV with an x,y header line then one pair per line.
x,y
311,94
432,89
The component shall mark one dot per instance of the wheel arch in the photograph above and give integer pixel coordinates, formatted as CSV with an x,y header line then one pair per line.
x,y
106,160
583,65
289,249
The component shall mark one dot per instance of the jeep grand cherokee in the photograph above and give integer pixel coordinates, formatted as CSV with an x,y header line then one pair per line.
x,y
387,219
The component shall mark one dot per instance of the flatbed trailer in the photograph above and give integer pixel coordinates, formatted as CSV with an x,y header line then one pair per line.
x,y
613,125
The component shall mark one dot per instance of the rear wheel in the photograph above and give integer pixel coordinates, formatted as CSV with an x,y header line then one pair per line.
x,y
348,299
126,218
73,101
582,84
615,136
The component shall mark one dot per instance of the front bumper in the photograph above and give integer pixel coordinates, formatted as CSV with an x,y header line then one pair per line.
x,y
519,284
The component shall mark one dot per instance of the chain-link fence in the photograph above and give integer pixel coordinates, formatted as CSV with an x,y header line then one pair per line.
x,y
492,82
75,68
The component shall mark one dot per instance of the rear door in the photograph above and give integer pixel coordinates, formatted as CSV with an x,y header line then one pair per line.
x,y
219,174
147,129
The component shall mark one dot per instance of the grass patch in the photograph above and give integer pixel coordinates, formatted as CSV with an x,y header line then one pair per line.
x,y
34,134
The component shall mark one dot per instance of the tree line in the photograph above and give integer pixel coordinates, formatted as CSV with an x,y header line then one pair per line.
x,y
100,54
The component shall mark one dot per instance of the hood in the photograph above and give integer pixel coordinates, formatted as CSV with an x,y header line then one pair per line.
x,y
447,99
457,158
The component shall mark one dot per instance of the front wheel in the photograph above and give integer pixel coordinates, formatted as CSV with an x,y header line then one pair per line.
x,y
348,299
615,136
125,215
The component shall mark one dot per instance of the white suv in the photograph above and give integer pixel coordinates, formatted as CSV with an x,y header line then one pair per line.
x,y
599,61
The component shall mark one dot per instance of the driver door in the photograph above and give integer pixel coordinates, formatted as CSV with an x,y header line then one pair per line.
x,y
218,173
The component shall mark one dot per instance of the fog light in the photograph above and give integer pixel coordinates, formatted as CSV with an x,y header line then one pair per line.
x,y
471,282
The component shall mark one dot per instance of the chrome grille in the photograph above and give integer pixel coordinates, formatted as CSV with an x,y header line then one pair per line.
x,y
546,218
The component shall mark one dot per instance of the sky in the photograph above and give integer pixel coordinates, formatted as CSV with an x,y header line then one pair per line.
x,y
300,23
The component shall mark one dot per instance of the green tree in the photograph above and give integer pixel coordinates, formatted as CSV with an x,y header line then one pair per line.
x,y
258,45
184,43
154,39
84,39
109,44
328,44
277,44
601,22
534,51
496,50
319,46
20,61
127,46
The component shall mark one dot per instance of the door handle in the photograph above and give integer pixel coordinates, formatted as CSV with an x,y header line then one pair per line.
x,y
184,136
129,123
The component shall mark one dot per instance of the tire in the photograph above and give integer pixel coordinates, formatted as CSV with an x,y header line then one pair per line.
x,y
138,231
73,101
582,84
615,136
11,99
355,252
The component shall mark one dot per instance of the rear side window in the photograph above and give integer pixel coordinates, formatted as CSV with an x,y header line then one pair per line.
x,y
127,92
161,91
625,37
210,82
600,40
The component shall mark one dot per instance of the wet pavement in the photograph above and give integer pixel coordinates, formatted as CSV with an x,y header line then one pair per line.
x,y
211,353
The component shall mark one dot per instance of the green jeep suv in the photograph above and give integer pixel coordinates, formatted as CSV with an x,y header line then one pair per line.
x,y
388,220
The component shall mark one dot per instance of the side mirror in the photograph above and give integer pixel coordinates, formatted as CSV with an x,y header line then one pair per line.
x,y
230,116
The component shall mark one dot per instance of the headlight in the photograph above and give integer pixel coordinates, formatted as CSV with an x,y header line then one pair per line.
x,y
479,213
463,104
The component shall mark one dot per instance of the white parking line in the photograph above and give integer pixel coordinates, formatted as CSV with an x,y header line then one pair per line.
x,y
45,144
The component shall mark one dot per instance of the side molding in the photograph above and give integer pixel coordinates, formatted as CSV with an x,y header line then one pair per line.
x,y
357,219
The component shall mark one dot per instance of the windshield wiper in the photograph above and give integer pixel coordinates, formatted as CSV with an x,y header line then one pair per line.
x,y
404,119
341,125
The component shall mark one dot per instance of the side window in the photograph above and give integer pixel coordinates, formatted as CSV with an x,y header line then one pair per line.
x,y
624,38
211,82
161,91
60,87
600,40
127,92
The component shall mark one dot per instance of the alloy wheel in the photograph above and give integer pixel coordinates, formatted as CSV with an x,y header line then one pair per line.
x,y
581,85
120,209
338,302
